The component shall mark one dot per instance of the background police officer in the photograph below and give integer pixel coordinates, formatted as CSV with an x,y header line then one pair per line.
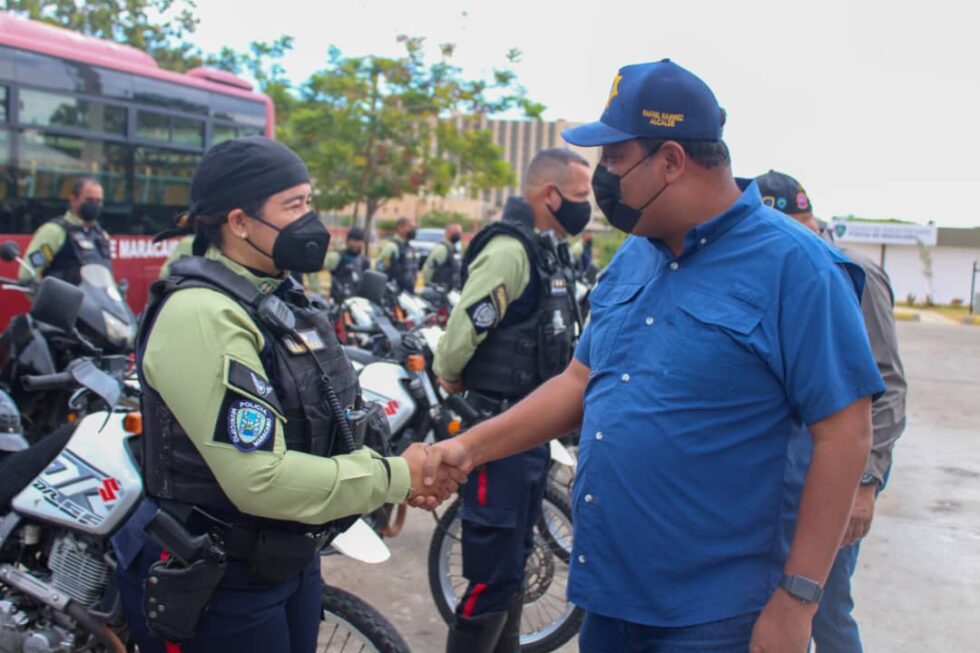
x,y
246,433
347,267
443,267
513,328
398,259
60,247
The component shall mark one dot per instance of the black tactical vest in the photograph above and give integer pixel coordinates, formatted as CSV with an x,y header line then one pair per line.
x,y
172,467
83,246
345,279
405,269
449,272
536,338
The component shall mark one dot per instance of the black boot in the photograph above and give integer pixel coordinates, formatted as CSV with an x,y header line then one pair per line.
x,y
510,636
475,634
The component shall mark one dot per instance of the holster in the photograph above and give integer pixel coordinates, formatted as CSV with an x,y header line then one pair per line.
x,y
176,596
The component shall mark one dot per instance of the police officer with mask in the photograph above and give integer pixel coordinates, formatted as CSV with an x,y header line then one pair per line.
x,y
514,327
60,247
443,267
398,259
253,424
347,267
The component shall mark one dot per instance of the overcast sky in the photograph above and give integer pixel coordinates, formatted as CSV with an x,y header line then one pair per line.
x,y
871,105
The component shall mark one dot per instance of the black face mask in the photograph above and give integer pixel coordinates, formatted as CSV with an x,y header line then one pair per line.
x,y
572,216
454,239
411,234
89,211
352,253
608,196
300,246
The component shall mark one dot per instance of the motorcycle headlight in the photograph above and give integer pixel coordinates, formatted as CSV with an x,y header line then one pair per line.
x,y
116,329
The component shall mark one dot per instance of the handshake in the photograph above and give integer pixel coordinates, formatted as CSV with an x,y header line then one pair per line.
x,y
437,471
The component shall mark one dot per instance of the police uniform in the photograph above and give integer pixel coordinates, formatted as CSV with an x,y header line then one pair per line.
x,y
346,271
514,328
400,262
183,248
242,442
442,267
60,248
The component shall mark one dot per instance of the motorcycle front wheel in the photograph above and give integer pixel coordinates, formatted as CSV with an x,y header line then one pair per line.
x,y
351,625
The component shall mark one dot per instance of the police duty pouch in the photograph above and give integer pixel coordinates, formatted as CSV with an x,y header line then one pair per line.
x,y
278,556
176,596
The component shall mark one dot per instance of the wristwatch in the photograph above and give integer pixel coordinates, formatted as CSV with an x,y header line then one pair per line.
x,y
868,479
801,588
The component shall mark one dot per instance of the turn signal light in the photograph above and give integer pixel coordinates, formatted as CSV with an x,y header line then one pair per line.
x,y
415,363
453,427
133,423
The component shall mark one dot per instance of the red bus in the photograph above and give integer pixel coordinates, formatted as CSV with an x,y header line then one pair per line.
x,y
75,105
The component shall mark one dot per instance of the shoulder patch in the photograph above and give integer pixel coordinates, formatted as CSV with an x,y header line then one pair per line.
x,y
38,259
483,314
247,425
251,384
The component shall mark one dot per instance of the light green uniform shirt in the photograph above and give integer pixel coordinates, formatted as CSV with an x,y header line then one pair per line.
x,y
389,253
45,244
438,256
184,247
498,275
197,333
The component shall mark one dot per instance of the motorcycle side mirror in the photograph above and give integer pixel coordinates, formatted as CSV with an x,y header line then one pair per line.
x,y
373,286
57,303
9,251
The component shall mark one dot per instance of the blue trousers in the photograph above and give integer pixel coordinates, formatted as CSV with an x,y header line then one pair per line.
x,y
243,617
834,629
607,635
501,504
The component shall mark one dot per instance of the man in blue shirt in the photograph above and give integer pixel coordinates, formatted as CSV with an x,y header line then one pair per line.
x,y
714,347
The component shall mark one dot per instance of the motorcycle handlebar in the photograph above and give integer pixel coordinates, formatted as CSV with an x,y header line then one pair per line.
x,y
463,409
48,381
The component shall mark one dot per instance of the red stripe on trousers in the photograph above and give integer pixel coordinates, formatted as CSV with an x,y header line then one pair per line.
x,y
470,604
481,490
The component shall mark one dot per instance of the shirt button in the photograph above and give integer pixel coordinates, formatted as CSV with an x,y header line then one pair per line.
x,y
581,559
599,435
674,265
704,241
649,321
625,378
588,498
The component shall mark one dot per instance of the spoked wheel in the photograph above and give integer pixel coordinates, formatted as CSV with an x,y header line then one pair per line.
x,y
549,620
350,625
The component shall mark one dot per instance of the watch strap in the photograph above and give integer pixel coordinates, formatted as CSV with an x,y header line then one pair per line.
x,y
801,588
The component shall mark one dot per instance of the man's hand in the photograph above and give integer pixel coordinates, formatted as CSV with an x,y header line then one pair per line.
x,y
443,479
862,513
452,387
784,625
449,458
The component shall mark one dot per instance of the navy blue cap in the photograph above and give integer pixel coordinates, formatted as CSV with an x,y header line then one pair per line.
x,y
653,100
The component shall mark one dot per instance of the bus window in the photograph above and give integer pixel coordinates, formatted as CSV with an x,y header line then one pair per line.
x,y
49,164
246,112
166,95
187,131
4,94
51,110
169,129
220,133
163,177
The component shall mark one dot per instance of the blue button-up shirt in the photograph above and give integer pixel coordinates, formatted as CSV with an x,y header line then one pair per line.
x,y
705,370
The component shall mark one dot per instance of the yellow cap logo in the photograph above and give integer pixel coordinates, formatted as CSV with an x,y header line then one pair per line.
x,y
614,91
663,119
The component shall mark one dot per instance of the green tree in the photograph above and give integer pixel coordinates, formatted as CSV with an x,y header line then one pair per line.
x,y
373,128
263,62
159,27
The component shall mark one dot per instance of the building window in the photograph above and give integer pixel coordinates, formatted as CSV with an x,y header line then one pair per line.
x,y
41,109
49,165
163,177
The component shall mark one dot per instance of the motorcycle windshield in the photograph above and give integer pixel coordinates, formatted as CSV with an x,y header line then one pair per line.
x,y
104,311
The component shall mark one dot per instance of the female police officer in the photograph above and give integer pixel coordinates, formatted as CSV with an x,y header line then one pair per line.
x,y
252,419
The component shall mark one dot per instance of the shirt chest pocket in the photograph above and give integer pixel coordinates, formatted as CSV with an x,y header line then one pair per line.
x,y
717,331
610,304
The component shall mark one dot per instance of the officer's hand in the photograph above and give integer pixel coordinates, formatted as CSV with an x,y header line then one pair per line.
x,y
452,387
449,458
443,481
862,513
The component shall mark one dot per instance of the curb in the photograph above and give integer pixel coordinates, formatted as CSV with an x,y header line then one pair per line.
x,y
972,319
908,316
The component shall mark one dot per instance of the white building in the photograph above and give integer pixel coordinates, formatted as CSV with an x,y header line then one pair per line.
x,y
908,252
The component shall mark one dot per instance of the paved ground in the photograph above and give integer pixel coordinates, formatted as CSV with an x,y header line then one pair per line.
x,y
918,585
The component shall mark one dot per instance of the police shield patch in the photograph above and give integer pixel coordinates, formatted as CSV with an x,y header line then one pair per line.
x,y
483,314
249,425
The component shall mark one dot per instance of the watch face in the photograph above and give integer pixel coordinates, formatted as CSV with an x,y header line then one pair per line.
x,y
868,479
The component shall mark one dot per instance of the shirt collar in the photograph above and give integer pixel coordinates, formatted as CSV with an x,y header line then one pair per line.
x,y
708,232
73,219
265,285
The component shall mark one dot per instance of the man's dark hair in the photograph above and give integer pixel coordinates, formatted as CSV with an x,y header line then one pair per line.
x,y
707,154
401,222
79,183
355,233
552,166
